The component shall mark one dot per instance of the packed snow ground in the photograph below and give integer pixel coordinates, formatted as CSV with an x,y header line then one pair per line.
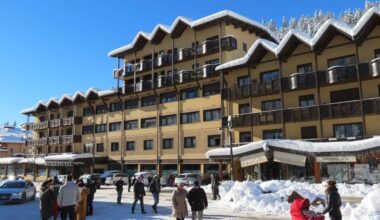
x,y
240,200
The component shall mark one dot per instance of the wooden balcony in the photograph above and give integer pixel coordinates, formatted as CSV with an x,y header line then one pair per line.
x,y
300,114
69,139
40,125
68,121
55,123
337,74
341,109
55,140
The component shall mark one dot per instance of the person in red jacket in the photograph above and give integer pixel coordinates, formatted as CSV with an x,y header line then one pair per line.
x,y
299,210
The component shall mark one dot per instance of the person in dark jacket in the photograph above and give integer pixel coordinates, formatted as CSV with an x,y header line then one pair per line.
x,y
56,185
119,189
150,179
47,200
215,187
139,192
90,197
333,201
129,183
198,201
155,189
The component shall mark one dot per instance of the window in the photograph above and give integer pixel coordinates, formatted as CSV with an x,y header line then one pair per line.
x,y
168,97
214,141
148,101
148,144
167,143
309,132
305,68
190,142
348,130
130,146
344,95
270,105
377,53
245,47
130,104
100,147
100,109
190,117
211,115
100,128
244,108
306,100
129,125
214,61
117,106
115,146
148,122
269,76
87,129
189,93
87,111
245,137
70,114
114,126
342,61
168,120
272,134
244,80
211,89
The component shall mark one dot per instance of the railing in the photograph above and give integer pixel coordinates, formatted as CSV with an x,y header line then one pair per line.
x,y
54,140
68,121
128,89
301,114
185,54
254,90
185,76
41,141
40,125
211,46
259,118
207,70
341,109
55,123
69,139
300,81
163,60
144,85
143,65
371,106
165,80
337,74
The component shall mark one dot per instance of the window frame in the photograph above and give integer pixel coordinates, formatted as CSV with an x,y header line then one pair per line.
x,y
128,105
113,144
165,118
127,146
211,137
152,100
143,121
187,114
212,111
99,128
211,92
146,142
113,125
185,91
165,141
193,142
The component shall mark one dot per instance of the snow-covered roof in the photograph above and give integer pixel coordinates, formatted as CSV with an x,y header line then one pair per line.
x,y
10,160
343,28
10,134
38,161
300,146
194,24
59,101
68,156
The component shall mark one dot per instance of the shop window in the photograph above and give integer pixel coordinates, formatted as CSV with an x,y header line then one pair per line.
x,y
271,105
244,80
211,89
148,144
309,132
190,117
101,128
272,134
214,141
348,130
306,100
168,97
148,122
245,137
101,109
304,68
211,115
41,171
114,126
29,169
344,95
244,108
87,129
115,146
19,170
116,106
130,104
189,93
168,120
342,61
190,142
53,172
87,111
130,145
167,143
269,76
100,147
129,125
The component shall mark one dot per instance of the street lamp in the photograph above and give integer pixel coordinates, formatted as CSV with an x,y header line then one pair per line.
x,y
230,130
91,146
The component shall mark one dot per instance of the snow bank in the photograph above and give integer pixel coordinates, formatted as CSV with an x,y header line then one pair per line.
x,y
368,209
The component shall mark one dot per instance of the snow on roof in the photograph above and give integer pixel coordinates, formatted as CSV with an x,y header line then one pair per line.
x,y
68,156
10,160
38,161
301,146
338,25
12,134
193,24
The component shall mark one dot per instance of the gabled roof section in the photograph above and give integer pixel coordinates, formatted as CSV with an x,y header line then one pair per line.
x,y
65,100
52,103
179,25
158,33
138,42
366,23
290,42
255,53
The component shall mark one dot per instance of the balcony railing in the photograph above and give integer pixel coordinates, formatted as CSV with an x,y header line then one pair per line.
x,y
207,70
254,90
71,120
163,60
185,76
55,140
127,70
211,46
41,141
55,123
299,114
39,125
371,106
299,81
144,85
259,118
337,74
165,80
143,65
128,89
341,109
185,54
69,139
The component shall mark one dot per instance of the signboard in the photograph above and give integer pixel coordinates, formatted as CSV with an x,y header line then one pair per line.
x,y
62,163
253,159
336,159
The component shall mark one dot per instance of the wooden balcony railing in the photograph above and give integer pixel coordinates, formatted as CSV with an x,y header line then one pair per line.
x,y
41,141
71,121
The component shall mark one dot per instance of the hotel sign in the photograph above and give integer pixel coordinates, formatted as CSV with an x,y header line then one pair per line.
x,y
62,163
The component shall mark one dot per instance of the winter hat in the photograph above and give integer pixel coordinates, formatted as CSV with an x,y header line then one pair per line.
x,y
196,183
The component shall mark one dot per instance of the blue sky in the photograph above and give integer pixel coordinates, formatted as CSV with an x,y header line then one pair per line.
x,y
48,48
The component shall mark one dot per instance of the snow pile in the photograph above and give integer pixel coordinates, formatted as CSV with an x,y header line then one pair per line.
x,y
368,209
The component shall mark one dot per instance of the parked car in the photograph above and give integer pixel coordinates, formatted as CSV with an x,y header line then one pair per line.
x,y
187,178
115,177
17,191
93,177
108,173
144,175
62,178
168,179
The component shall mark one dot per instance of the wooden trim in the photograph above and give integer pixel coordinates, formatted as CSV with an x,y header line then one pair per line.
x,y
360,89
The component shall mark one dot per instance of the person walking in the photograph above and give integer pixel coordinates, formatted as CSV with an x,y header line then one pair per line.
x,y
129,183
47,200
68,197
215,187
119,189
333,201
139,192
56,186
179,202
198,201
81,208
90,198
155,189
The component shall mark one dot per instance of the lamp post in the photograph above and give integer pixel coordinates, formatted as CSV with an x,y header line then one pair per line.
x,y
230,130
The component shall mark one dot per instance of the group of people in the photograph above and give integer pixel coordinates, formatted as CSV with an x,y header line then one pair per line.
x,y
69,199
